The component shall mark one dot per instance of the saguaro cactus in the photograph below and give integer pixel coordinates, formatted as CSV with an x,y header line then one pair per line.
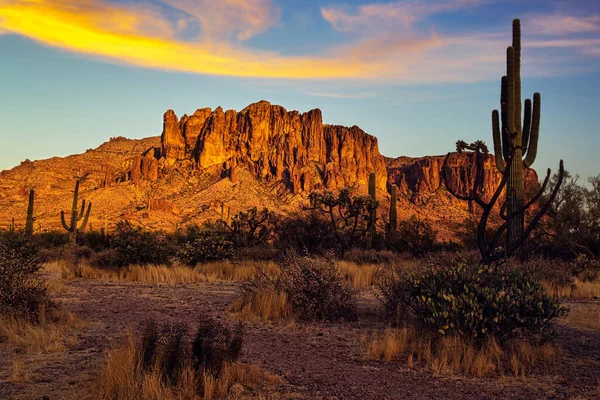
x,y
72,227
393,209
373,194
513,141
30,217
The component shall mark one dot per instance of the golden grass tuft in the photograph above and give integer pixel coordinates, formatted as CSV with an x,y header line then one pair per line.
x,y
238,271
19,373
48,336
358,275
122,377
578,290
451,355
263,304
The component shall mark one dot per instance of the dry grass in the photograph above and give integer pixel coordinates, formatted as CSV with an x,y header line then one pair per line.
x,y
238,271
453,355
19,373
122,377
358,275
162,274
578,290
263,304
49,336
584,316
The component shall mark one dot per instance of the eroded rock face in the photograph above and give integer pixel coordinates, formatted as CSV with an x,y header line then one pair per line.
x,y
172,141
275,145
420,178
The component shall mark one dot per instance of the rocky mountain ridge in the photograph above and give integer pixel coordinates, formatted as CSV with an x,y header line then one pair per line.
x,y
215,163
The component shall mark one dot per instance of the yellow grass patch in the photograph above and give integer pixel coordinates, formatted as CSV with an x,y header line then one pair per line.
x,y
578,290
49,336
264,304
238,271
453,355
358,275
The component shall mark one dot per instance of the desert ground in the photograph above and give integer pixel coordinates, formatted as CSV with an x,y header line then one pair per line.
x,y
325,360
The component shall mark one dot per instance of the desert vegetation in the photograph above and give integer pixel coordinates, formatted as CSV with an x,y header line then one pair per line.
x,y
343,285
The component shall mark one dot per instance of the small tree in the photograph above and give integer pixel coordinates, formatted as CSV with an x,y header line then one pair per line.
x,y
350,217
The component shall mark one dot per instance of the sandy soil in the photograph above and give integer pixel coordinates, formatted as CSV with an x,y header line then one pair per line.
x,y
317,361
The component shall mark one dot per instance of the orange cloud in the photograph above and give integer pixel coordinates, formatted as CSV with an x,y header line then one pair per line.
x,y
141,34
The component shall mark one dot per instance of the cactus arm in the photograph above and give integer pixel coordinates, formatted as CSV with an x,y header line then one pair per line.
x,y
510,88
64,223
535,131
85,219
80,214
497,141
503,108
517,72
75,198
526,125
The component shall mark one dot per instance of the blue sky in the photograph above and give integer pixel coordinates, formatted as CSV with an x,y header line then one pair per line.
x,y
417,74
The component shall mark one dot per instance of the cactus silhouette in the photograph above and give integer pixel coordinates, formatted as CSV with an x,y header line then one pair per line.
x,y
513,140
30,217
72,227
373,217
393,209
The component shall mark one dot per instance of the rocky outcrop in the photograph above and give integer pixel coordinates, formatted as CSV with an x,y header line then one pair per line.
x,y
172,141
275,145
419,178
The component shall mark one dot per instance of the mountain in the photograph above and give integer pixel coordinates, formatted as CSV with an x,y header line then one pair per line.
x,y
215,163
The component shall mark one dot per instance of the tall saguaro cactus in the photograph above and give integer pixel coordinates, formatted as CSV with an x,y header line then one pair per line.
x,y
30,217
373,194
76,216
393,209
513,141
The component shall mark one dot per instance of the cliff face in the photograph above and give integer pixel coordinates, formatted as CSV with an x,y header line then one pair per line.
x,y
420,178
274,145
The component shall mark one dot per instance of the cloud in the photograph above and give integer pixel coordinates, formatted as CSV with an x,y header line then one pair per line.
x,y
395,15
212,37
560,24
348,96
242,19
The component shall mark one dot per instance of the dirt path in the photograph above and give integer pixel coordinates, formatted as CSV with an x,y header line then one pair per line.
x,y
316,360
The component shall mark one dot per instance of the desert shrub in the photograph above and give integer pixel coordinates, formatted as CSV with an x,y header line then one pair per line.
x,y
305,288
587,269
105,259
475,302
208,246
255,253
307,233
316,290
250,228
95,240
169,348
366,256
135,246
414,235
49,240
22,292
556,274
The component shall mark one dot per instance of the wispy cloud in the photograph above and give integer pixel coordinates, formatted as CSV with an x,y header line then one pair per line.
x,y
348,96
211,37
560,24
389,16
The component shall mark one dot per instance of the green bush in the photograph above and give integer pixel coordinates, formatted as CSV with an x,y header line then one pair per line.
x,y
316,290
475,302
208,246
414,235
135,246
22,292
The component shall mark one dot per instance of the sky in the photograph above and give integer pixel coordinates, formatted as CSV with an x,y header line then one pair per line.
x,y
418,74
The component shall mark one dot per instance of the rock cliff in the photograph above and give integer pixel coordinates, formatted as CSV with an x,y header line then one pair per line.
x,y
274,145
